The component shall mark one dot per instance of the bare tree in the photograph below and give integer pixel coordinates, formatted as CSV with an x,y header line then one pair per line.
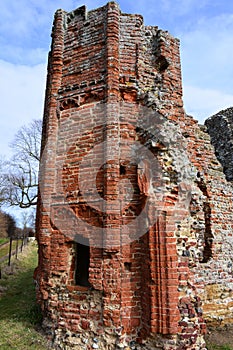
x,y
3,182
28,219
3,225
20,176
7,225
27,141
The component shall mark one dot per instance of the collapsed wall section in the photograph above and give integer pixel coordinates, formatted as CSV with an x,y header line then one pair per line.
x,y
210,259
220,128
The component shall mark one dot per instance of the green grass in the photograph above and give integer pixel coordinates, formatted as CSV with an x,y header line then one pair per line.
x,y
3,240
19,313
218,347
5,250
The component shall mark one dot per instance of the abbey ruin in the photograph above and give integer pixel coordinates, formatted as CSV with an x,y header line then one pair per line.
x,y
134,220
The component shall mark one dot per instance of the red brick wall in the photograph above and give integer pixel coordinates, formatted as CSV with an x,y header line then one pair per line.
x,y
119,170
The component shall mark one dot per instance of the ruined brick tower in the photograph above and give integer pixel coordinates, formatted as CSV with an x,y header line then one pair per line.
x,y
127,190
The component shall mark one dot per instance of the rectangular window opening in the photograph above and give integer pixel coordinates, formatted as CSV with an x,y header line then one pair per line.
x,y
82,263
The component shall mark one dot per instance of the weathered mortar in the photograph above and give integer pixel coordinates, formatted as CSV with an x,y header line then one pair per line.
x,y
113,85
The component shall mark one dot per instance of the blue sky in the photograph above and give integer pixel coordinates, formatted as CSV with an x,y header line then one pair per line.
x,y
204,27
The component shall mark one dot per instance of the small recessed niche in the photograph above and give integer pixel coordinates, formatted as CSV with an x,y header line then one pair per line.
x,y
122,169
161,63
127,266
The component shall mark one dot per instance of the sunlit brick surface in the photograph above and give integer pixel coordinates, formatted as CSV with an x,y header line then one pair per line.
x,y
127,173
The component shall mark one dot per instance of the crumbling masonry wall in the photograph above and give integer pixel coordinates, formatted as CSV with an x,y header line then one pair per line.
x,y
134,215
220,127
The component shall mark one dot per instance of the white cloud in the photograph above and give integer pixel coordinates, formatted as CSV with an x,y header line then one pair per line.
x,y
201,103
206,53
23,55
22,94
207,67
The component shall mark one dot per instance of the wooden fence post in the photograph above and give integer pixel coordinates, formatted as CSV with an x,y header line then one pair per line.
x,y
16,249
10,248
